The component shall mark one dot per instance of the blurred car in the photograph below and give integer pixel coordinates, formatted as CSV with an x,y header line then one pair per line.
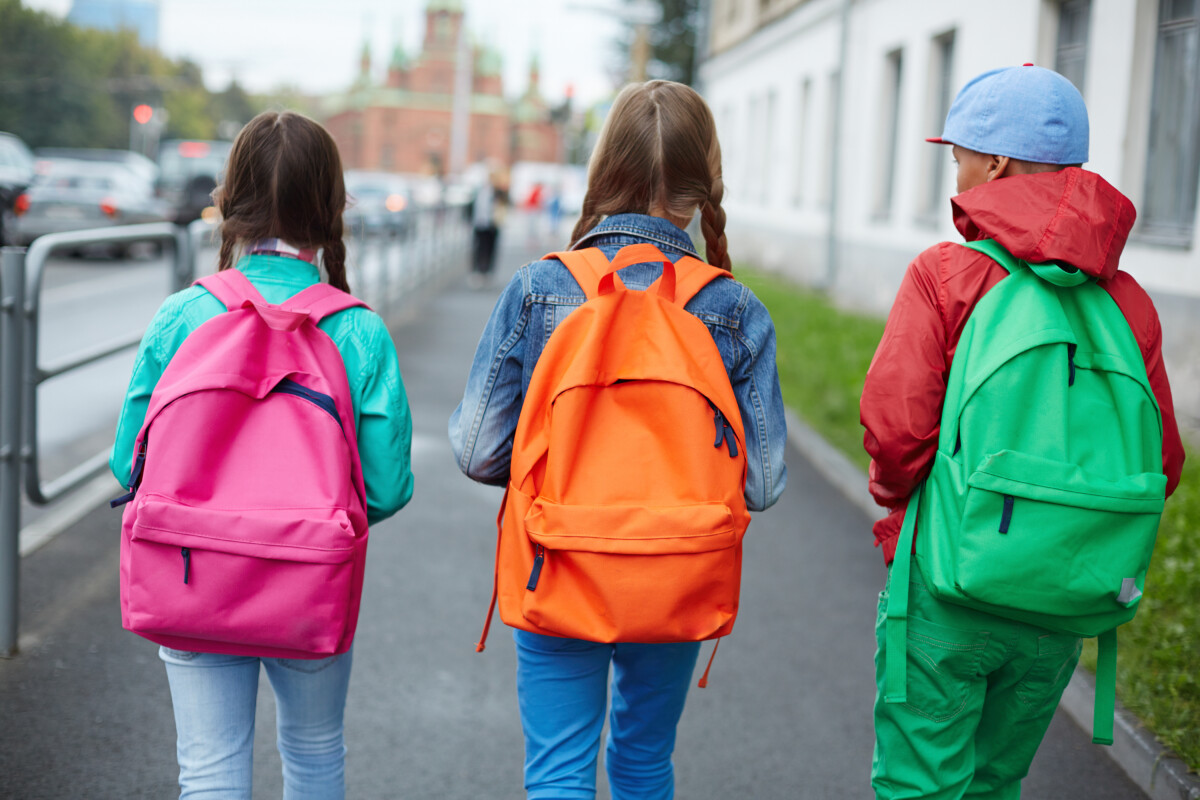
x,y
68,194
137,163
189,170
16,172
378,203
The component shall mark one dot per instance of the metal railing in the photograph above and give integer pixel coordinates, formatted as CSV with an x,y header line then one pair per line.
x,y
383,270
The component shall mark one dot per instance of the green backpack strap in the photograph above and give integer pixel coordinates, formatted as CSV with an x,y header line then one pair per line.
x,y
1105,707
1050,272
895,626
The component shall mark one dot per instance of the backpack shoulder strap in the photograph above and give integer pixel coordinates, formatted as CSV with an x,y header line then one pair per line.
x,y
1050,272
692,275
231,287
586,267
321,300
996,252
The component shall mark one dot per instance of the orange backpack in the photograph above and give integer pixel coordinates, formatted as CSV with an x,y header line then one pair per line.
x,y
624,514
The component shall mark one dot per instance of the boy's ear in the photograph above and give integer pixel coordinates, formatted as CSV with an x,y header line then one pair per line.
x,y
997,167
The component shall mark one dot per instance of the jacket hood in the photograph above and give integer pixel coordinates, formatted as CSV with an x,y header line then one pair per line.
x,y
1071,216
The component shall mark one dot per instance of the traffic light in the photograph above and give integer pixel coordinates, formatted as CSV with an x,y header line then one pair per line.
x,y
142,114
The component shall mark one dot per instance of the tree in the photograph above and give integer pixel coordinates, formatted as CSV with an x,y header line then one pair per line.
x,y
65,86
672,39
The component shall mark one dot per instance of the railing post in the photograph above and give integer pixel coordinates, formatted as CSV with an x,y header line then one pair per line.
x,y
183,271
12,312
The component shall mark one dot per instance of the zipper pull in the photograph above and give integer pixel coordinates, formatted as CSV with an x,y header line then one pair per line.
x,y
731,440
537,568
719,421
187,563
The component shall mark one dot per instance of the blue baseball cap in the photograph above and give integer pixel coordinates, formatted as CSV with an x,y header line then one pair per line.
x,y
1029,113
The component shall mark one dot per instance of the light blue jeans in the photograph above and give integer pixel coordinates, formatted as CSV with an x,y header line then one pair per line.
x,y
562,690
214,697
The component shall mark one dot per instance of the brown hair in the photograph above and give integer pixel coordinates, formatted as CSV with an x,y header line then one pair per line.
x,y
284,180
658,151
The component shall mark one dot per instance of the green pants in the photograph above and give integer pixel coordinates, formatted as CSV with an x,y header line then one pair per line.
x,y
981,693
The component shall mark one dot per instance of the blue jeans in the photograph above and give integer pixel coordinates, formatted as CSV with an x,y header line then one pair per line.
x,y
214,698
562,687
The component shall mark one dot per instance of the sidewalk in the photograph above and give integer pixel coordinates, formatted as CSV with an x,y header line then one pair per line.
x,y
86,712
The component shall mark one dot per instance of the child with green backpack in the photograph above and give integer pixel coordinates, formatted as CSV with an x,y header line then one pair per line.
x,y
1022,435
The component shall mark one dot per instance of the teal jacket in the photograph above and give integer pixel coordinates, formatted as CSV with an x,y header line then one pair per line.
x,y
381,414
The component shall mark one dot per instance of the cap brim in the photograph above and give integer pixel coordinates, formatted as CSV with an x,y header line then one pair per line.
x,y
938,140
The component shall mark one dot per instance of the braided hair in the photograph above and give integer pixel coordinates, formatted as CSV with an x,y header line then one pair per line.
x,y
658,153
284,180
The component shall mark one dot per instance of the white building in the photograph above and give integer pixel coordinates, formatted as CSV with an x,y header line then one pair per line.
x,y
829,179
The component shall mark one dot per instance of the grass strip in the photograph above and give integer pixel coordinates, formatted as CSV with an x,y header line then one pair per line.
x,y
823,355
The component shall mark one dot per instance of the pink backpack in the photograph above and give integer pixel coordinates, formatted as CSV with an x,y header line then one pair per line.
x,y
246,530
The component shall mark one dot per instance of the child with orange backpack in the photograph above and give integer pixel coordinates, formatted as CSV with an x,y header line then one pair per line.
x,y
626,394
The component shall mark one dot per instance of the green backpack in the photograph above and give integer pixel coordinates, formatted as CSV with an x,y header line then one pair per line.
x,y
1043,501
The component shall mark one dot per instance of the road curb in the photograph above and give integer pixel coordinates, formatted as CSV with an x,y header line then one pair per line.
x,y
1156,770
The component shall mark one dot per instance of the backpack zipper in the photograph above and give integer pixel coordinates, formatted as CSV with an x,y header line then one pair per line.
x,y
187,562
724,431
537,568
135,477
323,401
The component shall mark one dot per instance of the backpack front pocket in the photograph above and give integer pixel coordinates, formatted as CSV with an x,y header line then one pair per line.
x,y
260,578
683,586
1050,538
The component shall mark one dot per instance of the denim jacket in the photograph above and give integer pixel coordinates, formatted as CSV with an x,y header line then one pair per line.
x,y
543,293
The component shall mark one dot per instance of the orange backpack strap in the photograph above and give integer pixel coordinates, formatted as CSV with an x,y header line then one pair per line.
x,y
692,275
587,267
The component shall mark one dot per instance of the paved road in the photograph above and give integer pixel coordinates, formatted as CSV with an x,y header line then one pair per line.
x,y
86,711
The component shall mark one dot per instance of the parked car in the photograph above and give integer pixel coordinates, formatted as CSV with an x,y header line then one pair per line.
x,y
68,194
16,172
378,203
189,170
135,162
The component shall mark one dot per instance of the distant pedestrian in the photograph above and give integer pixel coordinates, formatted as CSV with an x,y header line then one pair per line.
x,y
487,216
1018,405
634,561
281,203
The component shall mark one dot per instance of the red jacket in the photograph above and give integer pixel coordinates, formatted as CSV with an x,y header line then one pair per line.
x,y
1072,216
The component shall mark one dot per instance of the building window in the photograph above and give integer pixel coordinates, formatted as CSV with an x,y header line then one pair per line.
x,y
803,112
768,155
941,93
1070,55
1173,157
889,130
831,111
753,163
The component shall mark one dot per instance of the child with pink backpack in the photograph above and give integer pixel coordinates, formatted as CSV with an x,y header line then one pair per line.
x,y
265,428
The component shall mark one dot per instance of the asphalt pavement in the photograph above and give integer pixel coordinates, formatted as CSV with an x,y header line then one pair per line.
x,y
85,710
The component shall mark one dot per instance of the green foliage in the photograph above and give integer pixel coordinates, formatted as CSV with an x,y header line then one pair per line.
x,y
71,87
673,40
823,357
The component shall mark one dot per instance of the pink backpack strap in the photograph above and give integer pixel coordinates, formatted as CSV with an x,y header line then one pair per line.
x,y
320,300
232,288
